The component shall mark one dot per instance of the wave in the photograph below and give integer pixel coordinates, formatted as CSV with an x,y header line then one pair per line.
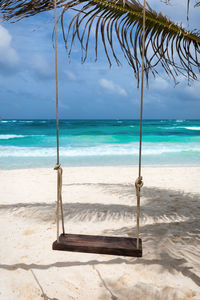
x,y
168,127
110,150
19,121
25,121
179,127
8,121
10,136
16,136
192,128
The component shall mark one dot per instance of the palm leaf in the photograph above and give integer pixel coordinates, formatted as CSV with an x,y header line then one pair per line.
x,y
122,20
166,43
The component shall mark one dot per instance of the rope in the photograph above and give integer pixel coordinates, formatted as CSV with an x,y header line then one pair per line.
x,y
56,72
58,167
138,185
138,182
59,199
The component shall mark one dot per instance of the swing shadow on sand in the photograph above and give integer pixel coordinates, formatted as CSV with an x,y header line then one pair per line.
x,y
161,206
174,228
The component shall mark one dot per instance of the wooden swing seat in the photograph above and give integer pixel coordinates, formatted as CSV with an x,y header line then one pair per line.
x,y
99,244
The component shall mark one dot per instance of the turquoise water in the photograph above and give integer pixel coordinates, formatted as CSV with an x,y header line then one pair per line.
x,y
32,143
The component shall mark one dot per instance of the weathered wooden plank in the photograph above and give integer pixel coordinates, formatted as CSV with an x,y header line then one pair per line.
x,y
99,244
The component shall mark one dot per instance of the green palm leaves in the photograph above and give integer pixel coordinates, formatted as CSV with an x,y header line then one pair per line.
x,y
118,24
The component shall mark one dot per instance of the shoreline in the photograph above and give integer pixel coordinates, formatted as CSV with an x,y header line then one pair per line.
x,y
90,143
103,166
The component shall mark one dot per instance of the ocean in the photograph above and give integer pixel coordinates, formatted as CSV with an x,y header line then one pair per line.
x,y
32,143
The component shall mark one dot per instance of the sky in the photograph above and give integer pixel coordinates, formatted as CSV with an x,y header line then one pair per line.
x,y
86,91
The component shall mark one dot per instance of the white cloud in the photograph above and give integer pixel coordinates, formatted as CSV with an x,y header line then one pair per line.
x,y
8,55
112,87
42,66
160,83
64,106
70,75
193,91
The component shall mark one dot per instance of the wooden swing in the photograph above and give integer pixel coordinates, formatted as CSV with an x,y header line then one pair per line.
x,y
96,243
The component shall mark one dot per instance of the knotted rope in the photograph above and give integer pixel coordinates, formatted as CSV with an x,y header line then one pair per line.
x,y
138,185
139,182
59,199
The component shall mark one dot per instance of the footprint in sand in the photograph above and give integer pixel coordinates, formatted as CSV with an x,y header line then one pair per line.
x,y
28,232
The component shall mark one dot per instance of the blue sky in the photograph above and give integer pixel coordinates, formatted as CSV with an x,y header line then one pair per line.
x,y
89,91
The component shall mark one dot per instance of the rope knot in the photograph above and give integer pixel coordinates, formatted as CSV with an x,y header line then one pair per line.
x,y
57,167
139,184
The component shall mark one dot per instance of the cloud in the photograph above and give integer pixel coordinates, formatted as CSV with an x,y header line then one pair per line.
x,y
8,56
42,67
112,87
64,106
31,94
70,75
160,83
193,91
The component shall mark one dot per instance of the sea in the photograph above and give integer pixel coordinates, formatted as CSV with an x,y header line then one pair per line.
x,y
32,143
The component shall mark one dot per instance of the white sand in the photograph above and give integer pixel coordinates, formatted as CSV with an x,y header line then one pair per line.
x,y
100,200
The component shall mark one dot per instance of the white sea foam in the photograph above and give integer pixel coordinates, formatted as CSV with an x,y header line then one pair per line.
x,y
10,136
15,136
180,127
169,127
25,121
192,128
8,121
105,150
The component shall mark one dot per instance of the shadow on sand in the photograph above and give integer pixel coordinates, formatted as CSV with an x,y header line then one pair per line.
x,y
174,232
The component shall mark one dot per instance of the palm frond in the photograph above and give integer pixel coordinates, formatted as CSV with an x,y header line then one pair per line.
x,y
167,44
120,22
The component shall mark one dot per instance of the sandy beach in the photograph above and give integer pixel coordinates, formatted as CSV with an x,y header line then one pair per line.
x,y
100,200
